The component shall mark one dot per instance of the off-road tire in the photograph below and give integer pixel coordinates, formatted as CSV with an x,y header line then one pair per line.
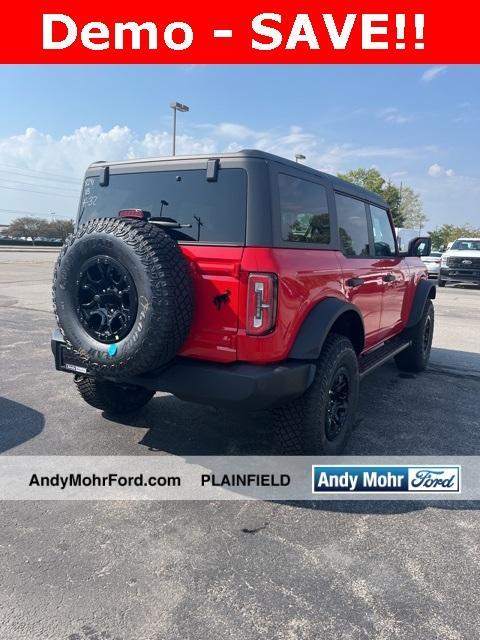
x,y
114,399
415,358
441,283
164,291
300,425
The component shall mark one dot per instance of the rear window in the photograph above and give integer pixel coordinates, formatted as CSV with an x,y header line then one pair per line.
x,y
216,211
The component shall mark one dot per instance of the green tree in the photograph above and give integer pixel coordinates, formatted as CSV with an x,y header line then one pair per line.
x,y
392,195
59,229
373,180
370,179
450,232
28,227
411,209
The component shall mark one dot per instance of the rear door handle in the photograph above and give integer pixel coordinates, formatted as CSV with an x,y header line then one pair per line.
x,y
355,282
389,277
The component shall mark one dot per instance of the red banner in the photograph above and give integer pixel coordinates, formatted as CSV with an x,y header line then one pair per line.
x,y
255,31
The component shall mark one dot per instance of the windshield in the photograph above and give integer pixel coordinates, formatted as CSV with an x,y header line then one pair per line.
x,y
215,210
466,245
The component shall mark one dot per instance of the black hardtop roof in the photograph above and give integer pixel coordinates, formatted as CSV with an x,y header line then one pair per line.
x,y
337,183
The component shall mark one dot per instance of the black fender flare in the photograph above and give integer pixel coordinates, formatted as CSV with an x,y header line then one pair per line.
x,y
317,325
426,290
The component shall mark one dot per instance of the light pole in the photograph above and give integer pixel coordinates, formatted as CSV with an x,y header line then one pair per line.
x,y
300,156
177,106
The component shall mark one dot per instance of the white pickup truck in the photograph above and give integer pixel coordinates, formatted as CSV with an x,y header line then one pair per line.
x,y
461,262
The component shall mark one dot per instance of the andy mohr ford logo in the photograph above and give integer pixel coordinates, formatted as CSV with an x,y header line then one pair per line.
x,y
385,479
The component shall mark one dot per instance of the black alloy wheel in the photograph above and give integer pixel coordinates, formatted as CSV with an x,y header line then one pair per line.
x,y
106,299
427,340
338,401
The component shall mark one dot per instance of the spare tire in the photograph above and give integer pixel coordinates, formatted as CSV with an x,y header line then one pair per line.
x,y
122,296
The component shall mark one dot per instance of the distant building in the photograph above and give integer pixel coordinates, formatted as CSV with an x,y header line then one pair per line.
x,y
3,230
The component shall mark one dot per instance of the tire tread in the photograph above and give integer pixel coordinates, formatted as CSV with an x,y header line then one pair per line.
x,y
172,294
296,423
112,398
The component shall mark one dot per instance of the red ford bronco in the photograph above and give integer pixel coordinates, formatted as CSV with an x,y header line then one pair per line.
x,y
239,280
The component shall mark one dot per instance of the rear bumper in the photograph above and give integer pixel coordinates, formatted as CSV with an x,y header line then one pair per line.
x,y
460,275
242,385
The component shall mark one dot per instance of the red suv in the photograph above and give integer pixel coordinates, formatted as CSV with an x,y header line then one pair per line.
x,y
243,279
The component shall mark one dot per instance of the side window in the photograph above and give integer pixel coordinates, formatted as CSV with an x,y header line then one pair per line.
x,y
303,210
383,237
352,226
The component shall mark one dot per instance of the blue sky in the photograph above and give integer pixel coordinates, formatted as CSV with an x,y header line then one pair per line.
x,y
417,124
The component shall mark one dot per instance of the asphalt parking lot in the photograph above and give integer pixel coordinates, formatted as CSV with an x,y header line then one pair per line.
x,y
195,570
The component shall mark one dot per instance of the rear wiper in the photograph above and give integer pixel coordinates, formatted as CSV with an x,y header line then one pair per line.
x,y
170,223
162,221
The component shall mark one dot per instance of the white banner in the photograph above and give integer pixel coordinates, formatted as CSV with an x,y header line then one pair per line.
x,y
168,477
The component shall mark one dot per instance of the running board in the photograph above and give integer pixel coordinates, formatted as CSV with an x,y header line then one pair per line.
x,y
375,358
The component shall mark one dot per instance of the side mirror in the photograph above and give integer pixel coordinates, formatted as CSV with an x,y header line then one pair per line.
x,y
418,247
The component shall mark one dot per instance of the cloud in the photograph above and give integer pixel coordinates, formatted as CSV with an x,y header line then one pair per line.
x,y
437,171
433,72
393,115
339,153
71,154
232,130
40,172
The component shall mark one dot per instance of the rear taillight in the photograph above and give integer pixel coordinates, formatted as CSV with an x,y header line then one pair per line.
x,y
137,214
262,303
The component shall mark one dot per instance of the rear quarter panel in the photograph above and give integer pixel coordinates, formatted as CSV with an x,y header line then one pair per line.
x,y
305,276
